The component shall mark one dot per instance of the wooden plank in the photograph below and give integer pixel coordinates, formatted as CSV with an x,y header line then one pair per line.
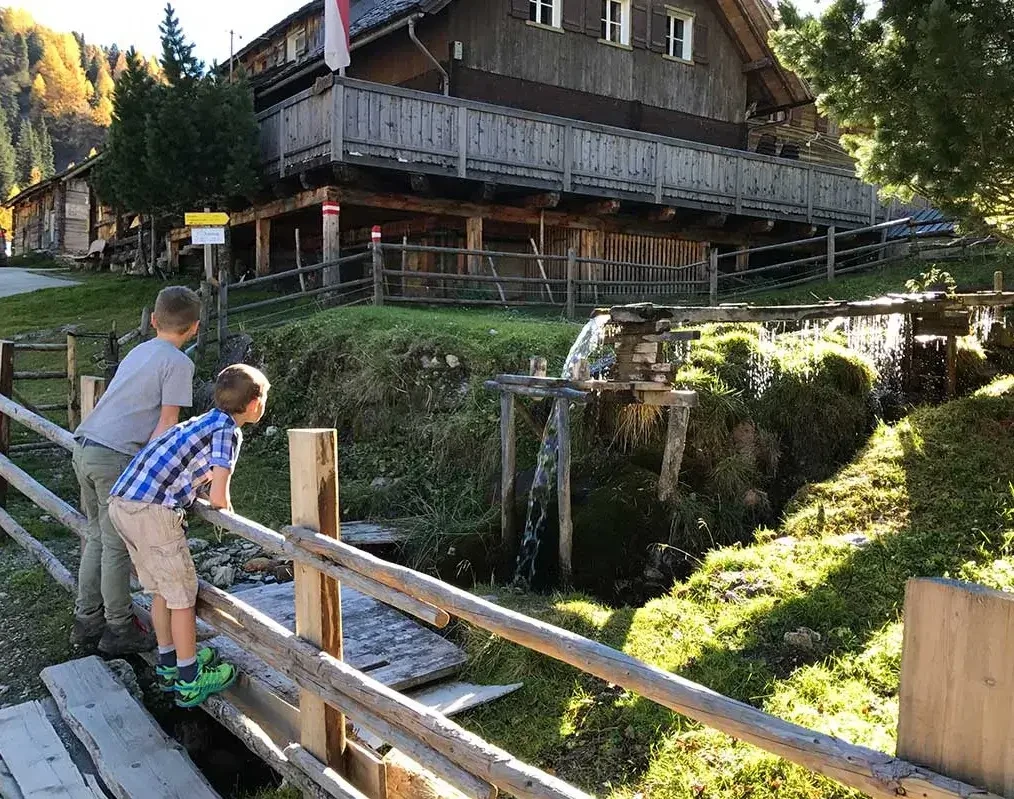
x,y
371,534
957,687
452,698
132,754
313,472
35,757
92,389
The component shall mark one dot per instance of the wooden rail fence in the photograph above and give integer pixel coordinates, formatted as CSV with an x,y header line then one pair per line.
x,y
311,657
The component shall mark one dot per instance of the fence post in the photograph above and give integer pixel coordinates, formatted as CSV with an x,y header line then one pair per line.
x,y
313,471
378,266
73,419
223,308
571,285
830,253
92,389
998,281
713,276
6,390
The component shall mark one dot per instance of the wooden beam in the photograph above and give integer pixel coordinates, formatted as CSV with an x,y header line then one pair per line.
x,y
759,226
303,199
262,246
760,63
548,199
713,220
313,473
666,214
473,230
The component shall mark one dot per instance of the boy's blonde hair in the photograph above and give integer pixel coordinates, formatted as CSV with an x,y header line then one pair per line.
x,y
237,386
177,308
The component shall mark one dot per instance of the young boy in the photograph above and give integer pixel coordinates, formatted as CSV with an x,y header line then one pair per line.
x,y
143,401
148,506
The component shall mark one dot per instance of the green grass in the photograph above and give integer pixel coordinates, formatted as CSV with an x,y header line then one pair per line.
x,y
933,497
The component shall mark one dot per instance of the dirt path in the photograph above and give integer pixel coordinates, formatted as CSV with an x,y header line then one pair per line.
x,y
22,281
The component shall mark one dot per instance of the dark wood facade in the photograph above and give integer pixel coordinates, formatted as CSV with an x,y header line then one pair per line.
x,y
55,215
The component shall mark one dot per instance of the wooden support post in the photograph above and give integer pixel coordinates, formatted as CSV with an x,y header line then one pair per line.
x,y
672,459
473,231
378,266
173,247
73,405
6,390
538,366
952,367
331,213
830,253
508,470
742,259
313,471
713,276
998,281
563,491
957,686
92,389
571,283
223,308
262,247
299,261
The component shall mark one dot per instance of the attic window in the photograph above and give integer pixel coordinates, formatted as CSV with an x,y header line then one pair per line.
x,y
616,21
679,39
545,12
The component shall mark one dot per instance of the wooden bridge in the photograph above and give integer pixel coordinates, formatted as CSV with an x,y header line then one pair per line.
x,y
299,685
372,124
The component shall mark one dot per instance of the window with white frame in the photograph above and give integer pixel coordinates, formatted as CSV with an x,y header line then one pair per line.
x,y
679,39
545,12
616,21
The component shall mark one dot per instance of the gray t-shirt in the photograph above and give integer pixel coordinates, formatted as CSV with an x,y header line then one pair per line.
x,y
152,375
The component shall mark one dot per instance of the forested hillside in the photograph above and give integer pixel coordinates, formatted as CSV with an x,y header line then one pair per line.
x,y
56,93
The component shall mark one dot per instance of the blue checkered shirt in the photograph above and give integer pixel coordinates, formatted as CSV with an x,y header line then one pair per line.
x,y
175,466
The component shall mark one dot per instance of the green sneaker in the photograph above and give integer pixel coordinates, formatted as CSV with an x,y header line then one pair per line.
x,y
211,680
168,675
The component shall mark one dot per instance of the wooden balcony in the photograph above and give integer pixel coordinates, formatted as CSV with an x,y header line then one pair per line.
x,y
376,125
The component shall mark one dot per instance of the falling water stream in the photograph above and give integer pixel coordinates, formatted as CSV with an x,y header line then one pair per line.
x,y
541,494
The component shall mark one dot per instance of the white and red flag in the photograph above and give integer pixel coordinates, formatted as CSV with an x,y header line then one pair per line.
x,y
336,34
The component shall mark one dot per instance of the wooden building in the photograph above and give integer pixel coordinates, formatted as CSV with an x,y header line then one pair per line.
x,y
628,127
56,215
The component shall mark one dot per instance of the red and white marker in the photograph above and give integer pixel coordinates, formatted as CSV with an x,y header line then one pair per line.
x,y
331,209
375,233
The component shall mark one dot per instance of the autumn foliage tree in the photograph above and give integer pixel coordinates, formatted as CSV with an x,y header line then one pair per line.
x,y
925,89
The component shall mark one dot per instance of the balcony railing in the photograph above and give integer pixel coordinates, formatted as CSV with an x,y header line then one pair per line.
x,y
385,126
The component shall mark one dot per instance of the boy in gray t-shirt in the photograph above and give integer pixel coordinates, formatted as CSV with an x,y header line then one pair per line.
x,y
142,401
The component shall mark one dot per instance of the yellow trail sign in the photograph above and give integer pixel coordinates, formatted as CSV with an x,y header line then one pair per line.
x,y
213,219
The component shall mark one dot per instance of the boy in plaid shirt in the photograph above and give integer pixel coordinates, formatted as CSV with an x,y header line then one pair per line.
x,y
148,506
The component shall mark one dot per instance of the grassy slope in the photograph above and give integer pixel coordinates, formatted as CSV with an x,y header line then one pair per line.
x,y
933,496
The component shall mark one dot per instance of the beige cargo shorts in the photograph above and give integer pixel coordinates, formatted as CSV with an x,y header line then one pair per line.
x,y
156,540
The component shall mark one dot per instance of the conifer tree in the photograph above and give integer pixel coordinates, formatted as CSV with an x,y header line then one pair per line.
x,y
8,162
45,158
26,153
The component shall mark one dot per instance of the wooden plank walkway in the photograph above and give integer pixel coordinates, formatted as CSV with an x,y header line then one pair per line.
x,y
378,640
33,761
132,754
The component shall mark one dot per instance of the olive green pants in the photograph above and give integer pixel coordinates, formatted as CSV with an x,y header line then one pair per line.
x,y
104,576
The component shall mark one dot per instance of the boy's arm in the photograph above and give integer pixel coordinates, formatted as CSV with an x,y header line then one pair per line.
x,y
219,495
169,417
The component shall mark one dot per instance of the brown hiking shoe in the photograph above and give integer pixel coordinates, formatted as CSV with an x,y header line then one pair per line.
x,y
87,632
126,639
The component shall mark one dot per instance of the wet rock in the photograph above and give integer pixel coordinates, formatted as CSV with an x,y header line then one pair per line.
x,y
802,638
257,565
223,576
197,545
215,559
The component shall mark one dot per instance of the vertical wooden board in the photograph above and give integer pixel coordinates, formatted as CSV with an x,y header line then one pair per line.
x,y
957,684
35,757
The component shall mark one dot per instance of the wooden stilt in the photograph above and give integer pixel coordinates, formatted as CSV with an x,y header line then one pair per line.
x,y
313,467
672,460
563,491
262,246
473,231
331,211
